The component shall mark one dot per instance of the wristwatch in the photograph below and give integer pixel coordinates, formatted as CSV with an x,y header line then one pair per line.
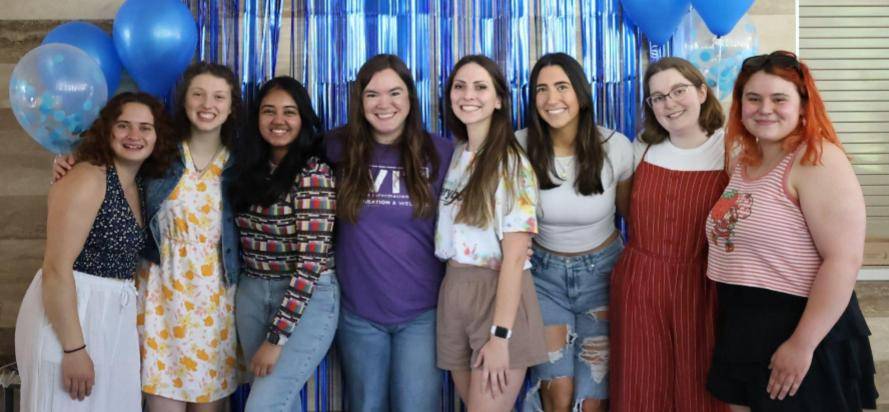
x,y
501,332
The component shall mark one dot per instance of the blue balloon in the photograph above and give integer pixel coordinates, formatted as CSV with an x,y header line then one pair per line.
x,y
720,16
719,60
155,40
95,42
56,91
658,19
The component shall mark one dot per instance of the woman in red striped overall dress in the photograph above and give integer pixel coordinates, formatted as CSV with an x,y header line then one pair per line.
x,y
662,303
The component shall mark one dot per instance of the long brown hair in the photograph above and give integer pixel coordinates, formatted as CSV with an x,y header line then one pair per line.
x,y
416,146
588,145
499,156
95,146
814,126
711,117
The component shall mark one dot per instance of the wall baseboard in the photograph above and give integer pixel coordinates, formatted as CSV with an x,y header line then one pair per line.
x,y
874,273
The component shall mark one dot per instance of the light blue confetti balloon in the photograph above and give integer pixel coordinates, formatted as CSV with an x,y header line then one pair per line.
x,y
55,92
719,60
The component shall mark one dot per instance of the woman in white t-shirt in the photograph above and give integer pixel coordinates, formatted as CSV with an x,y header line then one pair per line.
x,y
584,173
489,326
662,304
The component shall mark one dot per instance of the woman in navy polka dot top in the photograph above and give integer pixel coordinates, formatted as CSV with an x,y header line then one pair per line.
x,y
77,321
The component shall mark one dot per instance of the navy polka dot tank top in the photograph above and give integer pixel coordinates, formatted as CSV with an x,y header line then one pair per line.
x,y
115,241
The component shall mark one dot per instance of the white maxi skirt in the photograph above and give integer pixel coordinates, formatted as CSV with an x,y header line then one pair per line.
x,y
107,311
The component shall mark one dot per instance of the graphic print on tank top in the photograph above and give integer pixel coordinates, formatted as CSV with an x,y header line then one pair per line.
x,y
732,207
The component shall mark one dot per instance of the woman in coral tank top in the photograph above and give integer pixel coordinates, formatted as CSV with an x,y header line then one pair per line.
x,y
786,242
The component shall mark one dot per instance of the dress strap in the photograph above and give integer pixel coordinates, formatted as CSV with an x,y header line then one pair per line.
x,y
113,186
785,166
111,178
647,146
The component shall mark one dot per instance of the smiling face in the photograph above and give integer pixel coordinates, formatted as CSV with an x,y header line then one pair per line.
x,y
770,107
386,104
676,102
208,102
132,134
279,120
555,98
473,96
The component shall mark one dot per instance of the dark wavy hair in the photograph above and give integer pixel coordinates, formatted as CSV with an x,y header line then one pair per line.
x,y
231,124
95,146
499,155
256,184
588,144
711,117
415,145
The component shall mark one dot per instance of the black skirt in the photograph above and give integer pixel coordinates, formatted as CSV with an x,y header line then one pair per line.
x,y
753,322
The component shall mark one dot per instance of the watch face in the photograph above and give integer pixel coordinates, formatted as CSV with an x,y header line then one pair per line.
x,y
501,332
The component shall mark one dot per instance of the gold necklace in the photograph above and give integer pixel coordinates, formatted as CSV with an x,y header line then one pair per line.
x,y
201,170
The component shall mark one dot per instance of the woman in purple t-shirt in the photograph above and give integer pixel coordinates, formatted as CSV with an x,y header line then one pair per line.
x,y
389,176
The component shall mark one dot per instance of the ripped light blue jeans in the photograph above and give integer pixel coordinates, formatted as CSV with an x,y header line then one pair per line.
x,y
573,291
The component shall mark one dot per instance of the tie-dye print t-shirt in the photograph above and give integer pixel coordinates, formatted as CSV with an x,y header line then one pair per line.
x,y
481,246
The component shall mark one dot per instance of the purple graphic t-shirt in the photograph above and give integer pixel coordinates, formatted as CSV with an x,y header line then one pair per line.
x,y
386,262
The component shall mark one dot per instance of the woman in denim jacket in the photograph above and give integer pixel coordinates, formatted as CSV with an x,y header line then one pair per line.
x,y
187,289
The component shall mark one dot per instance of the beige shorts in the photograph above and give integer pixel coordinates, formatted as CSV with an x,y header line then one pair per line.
x,y
465,313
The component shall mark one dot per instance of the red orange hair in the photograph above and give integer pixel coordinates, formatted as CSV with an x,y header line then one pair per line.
x,y
814,127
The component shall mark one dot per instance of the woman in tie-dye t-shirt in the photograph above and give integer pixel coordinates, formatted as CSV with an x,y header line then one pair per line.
x,y
487,215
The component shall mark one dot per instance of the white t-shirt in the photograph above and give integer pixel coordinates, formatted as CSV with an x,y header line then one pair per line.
x,y
708,156
571,222
473,245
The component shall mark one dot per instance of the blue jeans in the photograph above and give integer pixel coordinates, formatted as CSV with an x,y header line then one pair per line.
x,y
573,291
389,368
256,302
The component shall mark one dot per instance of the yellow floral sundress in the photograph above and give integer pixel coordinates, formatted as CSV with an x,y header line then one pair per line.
x,y
186,313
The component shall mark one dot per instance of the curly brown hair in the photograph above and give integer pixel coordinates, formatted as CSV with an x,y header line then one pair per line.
x,y
95,144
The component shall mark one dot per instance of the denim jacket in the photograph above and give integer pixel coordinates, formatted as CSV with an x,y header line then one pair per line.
x,y
157,190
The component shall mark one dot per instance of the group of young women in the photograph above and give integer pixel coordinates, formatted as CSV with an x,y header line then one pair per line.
x,y
432,247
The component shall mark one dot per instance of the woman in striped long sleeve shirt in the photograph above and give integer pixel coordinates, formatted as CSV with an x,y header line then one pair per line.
x,y
287,303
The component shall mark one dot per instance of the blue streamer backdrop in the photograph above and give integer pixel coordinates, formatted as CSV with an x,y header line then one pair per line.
x,y
329,40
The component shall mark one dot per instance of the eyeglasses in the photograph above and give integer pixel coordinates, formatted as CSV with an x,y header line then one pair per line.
x,y
677,93
778,58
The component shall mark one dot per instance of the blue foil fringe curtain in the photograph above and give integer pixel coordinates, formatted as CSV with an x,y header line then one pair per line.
x,y
333,39
329,40
241,34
